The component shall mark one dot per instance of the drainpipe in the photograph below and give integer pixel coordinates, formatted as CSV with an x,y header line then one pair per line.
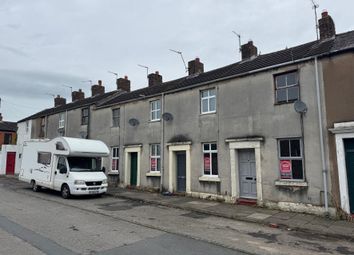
x,y
162,149
319,108
66,123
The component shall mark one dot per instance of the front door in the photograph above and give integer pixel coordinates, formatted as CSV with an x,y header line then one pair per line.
x,y
10,163
133,168
349,160
181,171
247,173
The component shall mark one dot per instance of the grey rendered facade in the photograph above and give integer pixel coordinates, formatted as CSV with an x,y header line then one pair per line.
x,y
235,150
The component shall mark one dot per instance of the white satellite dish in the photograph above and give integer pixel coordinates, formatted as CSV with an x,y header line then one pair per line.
x,y
300,107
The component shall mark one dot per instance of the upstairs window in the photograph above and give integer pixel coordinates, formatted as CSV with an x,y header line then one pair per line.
x,y
208,101
61,120
210,158
155,158
155,110
115,159
84,116
287,87
7,138
115,117
290,159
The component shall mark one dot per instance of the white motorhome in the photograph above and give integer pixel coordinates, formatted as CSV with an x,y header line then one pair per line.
x,y
69,165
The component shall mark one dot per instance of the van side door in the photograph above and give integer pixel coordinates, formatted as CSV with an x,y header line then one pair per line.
x,y
61,172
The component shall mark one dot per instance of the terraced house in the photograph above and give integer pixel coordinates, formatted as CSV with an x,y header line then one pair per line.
x,y
232,133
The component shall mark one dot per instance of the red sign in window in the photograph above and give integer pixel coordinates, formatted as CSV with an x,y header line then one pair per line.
x,y
206,163
153,164
285,169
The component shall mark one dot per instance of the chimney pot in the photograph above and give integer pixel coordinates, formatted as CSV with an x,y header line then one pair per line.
x,y
58,101
326,26
77,95
248,50
123,84
195,66
154,79
97,89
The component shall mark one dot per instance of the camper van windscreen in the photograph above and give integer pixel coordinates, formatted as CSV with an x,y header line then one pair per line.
x,y
84,164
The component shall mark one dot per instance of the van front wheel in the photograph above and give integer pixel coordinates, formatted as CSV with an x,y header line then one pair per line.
x,y
35,187
65,191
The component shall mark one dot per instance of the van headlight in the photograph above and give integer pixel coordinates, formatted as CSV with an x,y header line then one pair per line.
x,y
79,182
104,181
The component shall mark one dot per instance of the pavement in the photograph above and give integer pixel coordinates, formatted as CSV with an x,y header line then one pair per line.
x,y
311,224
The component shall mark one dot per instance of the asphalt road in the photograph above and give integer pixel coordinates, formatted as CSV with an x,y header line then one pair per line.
x,y
44,223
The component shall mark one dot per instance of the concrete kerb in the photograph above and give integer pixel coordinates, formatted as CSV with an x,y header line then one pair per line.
x,y
284,225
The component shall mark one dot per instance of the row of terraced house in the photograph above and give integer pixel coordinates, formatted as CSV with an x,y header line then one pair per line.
x,y
274,129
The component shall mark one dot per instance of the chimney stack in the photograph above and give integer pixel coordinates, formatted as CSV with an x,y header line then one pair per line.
x,y
97,89
58,101
123,84
248,50
0,116
195,67
77,95
326,26
154,79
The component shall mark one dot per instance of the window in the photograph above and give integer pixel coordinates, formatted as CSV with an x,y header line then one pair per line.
x,y
44,158
61,120
287,87
42,128
155,110
210,156
115,158
7,138
61,163
84,116
115,117
290,159
155,158
208,101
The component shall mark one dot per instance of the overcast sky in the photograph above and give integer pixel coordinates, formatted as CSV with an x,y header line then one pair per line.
x,y
45,44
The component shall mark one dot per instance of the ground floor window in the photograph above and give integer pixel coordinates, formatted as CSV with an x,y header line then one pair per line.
x,y
115,159
210,158
155,158
290,159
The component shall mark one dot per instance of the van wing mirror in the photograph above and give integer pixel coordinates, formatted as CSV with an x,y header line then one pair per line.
x,y
103,169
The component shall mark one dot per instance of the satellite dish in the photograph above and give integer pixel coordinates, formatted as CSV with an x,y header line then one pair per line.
x,y
133,122
167,116
300,107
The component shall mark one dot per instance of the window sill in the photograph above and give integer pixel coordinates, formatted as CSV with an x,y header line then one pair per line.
x,y
291,183
152,121
113,173
207,113
205,178
153,174
288,102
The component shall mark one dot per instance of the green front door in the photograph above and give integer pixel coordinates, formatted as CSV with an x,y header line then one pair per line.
x,y
133,168
349,160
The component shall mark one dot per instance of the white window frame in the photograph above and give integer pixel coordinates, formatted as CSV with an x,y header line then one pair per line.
x,y
115,119
287,87
207,98
156,156
210,151
61,123
155,110
115,156
301,157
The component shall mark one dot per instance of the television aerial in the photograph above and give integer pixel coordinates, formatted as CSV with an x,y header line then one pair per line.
x,y
184,62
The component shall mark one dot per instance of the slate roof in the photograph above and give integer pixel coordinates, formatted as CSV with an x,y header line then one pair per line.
x,y
339,43
8,126
73,105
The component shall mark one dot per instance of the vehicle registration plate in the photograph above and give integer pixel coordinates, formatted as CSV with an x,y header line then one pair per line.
x,y
93,192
